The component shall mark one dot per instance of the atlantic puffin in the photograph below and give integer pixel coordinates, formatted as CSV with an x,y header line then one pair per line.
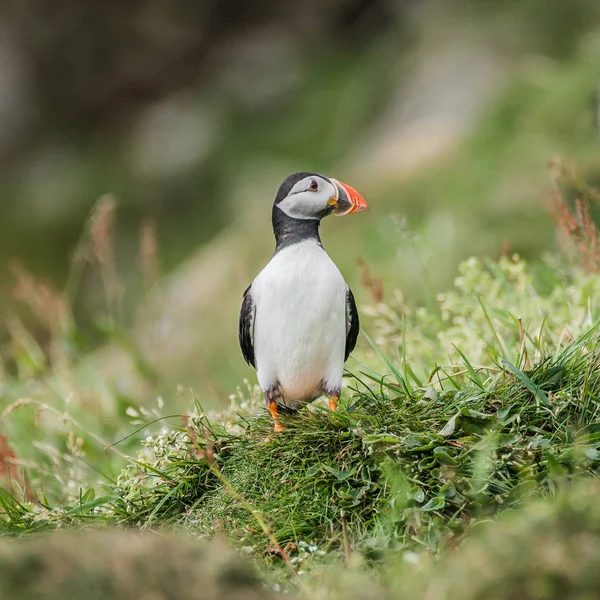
x,y
298,322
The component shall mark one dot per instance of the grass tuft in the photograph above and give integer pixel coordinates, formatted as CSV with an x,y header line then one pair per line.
x,y
397,469
412,460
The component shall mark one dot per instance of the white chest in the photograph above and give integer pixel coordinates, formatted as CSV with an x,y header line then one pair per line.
x,y
300,322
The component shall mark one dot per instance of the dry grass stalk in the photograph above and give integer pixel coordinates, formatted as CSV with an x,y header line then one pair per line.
x,y
523,345
10,472
16,404
101,232
148,253
101,229
50,308
346,537
575,224
206,453
373,285
46,303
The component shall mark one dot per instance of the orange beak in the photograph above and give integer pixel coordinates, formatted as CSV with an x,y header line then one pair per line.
x,y
348,200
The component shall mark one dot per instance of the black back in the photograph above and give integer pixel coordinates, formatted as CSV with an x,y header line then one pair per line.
x,y
246,328
352,324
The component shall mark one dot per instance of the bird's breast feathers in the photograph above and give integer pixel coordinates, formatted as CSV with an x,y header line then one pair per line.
x,y
300,326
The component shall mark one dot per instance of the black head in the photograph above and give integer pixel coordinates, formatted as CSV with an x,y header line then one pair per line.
x,y
306,196
303,199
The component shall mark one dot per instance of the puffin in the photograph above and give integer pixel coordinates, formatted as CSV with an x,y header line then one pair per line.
x,y
298,321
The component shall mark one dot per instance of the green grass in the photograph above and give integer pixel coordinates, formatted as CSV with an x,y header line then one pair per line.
x,y
468,404
451,415
549,549
407,466
461,460
412,460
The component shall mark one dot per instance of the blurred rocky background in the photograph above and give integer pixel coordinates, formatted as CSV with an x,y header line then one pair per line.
x,y
185,117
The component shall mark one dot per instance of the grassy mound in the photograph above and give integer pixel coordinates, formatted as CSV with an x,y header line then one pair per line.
x,y
414,457
122,564
409,466
549,550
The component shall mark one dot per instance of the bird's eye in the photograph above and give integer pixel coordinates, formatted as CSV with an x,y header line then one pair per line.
x,y
313,186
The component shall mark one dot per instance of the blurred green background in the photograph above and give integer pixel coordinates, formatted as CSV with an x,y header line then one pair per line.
x,y
444,114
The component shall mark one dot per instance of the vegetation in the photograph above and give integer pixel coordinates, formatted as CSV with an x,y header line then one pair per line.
x,y
424,447
121,565
549,550
409,460
462,457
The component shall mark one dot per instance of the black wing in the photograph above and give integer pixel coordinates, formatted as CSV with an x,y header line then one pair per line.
x,y
246,331
352,323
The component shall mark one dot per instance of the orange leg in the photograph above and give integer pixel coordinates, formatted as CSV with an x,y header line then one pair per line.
x,y
273,410
333,402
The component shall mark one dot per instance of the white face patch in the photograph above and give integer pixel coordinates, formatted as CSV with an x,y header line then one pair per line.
x,y
308,198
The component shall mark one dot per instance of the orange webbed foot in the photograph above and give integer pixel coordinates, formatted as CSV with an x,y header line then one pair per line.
x,y
277,426
333,402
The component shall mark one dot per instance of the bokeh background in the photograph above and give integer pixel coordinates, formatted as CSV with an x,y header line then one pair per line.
x,y
184,117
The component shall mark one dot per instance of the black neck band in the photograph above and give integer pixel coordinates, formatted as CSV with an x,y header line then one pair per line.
x,y
289,231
